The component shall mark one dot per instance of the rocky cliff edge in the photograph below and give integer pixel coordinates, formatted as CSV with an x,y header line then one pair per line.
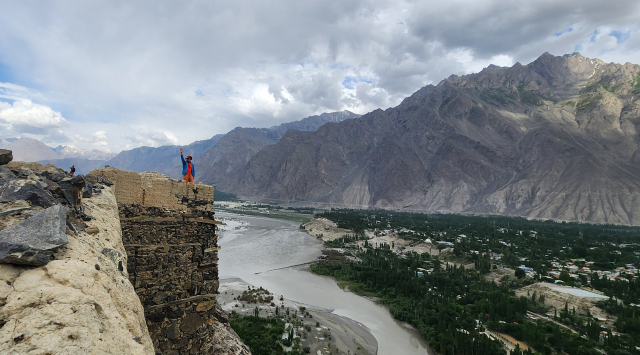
x,y
81,301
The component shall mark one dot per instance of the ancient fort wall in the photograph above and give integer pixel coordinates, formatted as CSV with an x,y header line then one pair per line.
x,y
156,190
171,246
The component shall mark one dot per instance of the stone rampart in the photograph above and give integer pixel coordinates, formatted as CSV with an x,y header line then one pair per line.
x,y
157,190
171,247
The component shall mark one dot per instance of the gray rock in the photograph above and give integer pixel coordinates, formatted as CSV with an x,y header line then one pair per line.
x,y
106,181
56,177
115,256
28,190
33,241
5,173
5,156
70,185
88,191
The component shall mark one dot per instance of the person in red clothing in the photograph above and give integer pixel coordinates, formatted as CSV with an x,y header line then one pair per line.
x,y
188,171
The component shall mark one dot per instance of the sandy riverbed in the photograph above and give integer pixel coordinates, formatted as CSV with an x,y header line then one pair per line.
x,y
340,332
252,246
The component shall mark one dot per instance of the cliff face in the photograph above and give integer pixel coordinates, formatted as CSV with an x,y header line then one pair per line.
x,y
557,138
82,301
94,266
169,235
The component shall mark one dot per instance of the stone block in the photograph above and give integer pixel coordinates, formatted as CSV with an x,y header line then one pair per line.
x,y
191,323
33,241
28,190
5,156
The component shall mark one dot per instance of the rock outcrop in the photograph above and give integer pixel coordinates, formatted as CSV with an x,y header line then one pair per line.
x,y
171,247
5,156
31,242
81,302
86,286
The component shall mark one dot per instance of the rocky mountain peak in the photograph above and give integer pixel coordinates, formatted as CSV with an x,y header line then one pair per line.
x,y
556,138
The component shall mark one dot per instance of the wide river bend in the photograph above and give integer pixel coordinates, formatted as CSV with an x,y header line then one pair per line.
x,y
251,246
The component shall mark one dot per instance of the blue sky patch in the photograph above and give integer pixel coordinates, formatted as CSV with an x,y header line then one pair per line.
x,y
5,74
620,36
199,92
560,33
350,82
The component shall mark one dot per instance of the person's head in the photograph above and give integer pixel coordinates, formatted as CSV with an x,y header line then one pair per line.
x,y
189,158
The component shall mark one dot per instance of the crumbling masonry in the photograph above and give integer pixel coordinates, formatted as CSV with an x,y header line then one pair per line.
x,y
172,257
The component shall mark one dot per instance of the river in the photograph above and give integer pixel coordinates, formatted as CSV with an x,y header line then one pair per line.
x,y
252,246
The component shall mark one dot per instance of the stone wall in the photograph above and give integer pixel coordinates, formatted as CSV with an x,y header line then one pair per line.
x,y
173,265
154,189
171,247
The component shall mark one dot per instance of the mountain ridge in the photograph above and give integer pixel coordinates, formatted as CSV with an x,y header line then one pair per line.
x,y
235,149
556,138
220,154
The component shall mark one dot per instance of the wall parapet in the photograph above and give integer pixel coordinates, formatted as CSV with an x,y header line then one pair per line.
x,y
157,190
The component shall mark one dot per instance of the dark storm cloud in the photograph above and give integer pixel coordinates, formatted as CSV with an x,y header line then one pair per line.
x,y
494,27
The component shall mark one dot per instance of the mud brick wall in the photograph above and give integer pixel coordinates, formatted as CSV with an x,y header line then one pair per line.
x,y
154,189
173,265
172,258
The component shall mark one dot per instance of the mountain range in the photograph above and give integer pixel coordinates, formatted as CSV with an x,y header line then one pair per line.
x,y
237,147
557,138
29,149
221,155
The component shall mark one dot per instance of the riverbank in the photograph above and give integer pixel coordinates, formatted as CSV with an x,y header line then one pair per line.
x,y
252,245
321,328
269,211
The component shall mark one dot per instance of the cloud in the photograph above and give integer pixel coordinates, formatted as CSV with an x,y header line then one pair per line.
x,y
147,136
17,92
24,116
196,68
99,139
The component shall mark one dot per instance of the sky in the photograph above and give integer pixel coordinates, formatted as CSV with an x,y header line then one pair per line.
x,y
115,75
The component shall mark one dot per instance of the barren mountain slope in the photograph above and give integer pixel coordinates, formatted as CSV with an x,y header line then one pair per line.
x,y
554,139
164,159
235,149
28,149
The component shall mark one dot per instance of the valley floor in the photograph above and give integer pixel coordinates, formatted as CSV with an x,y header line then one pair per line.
x,y
326,331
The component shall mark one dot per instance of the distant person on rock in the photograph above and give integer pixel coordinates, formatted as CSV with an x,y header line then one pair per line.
x,y
72,170
188,171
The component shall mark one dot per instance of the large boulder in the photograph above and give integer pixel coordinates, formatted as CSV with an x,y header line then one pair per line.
x,y
33,241
72,188
27,190
6,175
5,156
